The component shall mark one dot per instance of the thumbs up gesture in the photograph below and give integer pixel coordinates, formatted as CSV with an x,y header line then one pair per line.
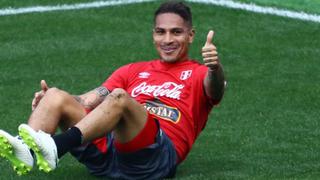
x,y
209,53
38,95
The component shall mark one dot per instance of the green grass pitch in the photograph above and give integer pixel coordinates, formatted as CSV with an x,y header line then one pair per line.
x,y
267,126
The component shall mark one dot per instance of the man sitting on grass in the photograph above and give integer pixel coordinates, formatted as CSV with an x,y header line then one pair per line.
x,y
140,123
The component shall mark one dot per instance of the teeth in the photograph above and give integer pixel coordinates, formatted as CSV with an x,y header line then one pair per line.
x,y
168,49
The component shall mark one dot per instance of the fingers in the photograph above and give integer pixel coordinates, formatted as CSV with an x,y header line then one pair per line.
x,y
37,97
211,59
34,104
209,46
209,38
209,52
44,85
212,62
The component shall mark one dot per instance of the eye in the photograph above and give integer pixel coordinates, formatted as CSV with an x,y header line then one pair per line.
x,y
159,31
177,32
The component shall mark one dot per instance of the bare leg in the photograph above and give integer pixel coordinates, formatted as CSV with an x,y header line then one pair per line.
x,y
56,108
118,113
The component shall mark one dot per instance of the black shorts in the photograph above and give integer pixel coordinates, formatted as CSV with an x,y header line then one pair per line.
x,y
156,161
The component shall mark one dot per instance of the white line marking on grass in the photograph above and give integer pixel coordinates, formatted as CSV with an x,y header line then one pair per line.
x,y
96,4
225,3
263,10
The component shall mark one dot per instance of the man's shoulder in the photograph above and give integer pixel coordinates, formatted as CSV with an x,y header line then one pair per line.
x,y
141,64
195,62
144,62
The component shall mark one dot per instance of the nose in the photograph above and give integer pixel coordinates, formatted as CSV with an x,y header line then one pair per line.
x,y
168,38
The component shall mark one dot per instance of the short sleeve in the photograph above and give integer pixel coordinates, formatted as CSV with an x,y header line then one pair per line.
x,y
118,79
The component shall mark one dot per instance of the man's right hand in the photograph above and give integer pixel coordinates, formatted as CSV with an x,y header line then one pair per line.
x,y
39,95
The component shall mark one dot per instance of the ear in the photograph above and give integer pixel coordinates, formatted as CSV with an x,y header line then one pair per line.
x,y
153,36
191,35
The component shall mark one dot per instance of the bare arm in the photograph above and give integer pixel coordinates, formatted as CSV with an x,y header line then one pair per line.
x,y
89,100
214,83
93,98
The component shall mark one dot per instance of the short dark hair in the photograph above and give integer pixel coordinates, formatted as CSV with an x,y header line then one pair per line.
x,y
176,7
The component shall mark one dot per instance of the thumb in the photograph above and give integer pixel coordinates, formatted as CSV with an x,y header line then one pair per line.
x,y
209,38
44,85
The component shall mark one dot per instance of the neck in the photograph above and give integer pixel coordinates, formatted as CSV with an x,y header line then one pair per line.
x,y
176,61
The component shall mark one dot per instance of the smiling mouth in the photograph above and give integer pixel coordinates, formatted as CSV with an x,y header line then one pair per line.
x,y
168,49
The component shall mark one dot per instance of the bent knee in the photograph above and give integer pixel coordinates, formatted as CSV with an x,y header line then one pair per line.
x,y
119,96
56,94
119,93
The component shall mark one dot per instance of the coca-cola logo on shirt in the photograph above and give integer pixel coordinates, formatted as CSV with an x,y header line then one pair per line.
x,y
167,89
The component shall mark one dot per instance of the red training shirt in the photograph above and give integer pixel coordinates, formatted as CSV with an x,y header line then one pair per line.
x,y
172,92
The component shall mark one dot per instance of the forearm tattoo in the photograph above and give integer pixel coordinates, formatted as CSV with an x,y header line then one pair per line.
x,y
93,98
102,91
77,98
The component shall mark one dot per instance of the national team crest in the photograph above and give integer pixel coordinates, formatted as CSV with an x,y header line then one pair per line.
x,y
185,74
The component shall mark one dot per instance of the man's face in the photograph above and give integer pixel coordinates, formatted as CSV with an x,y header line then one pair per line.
x,y
172,36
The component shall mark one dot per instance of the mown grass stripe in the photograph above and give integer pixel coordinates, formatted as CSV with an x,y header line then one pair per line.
x,y
96,4
225,3
263,10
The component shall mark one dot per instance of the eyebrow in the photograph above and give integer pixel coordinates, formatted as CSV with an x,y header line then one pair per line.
x,y
174,29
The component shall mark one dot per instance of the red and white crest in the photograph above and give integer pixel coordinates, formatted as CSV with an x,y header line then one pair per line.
x,y
185,74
